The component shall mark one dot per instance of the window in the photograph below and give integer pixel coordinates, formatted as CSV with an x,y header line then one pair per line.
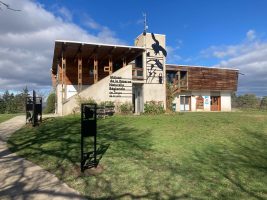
x,y
139,61
183,75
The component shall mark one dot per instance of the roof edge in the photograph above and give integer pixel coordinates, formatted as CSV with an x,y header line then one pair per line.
x,y
175,65
100,44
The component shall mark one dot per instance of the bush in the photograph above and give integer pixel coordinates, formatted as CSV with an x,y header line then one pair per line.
x,y
126,108
263,105
50,104
248,101
82,100
153,107
169,97
107,103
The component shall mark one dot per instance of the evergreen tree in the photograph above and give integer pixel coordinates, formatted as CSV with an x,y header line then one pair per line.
x,y
2,105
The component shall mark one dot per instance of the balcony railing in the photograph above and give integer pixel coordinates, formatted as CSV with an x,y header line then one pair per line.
x,y
180,85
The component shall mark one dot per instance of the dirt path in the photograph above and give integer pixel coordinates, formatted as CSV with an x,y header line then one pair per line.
x,y
22,180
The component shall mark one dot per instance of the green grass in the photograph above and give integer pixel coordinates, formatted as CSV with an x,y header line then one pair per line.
x,y
5,117
186,156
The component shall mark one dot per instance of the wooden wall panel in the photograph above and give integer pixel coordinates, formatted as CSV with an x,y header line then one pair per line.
x,y
200,78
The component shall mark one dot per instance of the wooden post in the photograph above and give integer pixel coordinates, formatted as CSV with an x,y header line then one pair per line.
x,y
123,62
110,64
80,74
95,70
63,82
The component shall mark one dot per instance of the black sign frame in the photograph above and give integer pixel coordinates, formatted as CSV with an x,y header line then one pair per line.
x,y
88,129
33,109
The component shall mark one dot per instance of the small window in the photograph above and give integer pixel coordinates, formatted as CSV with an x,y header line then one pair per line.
x,y
183,75
139,61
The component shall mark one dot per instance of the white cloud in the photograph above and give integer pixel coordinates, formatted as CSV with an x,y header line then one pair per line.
x,y
251,35
66,14
250,58
173,57
91,23
27,43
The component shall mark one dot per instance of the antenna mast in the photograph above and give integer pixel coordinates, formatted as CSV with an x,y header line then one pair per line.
x,y
145,24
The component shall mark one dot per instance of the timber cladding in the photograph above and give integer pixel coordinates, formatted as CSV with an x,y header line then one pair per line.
x,y
204,78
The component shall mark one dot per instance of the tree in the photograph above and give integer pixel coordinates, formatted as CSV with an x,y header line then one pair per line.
x,y
263,105
234,100
248,101
169,96
50,103
2,105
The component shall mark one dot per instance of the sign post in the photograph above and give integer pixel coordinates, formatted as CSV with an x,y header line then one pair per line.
x,y
33,109
88,129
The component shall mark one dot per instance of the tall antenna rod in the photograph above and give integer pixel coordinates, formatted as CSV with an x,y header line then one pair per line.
x,y
145,24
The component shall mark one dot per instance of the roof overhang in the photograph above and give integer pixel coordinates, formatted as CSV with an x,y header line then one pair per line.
x,y
170,67
73,49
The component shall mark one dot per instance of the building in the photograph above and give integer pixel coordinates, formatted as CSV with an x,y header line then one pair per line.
x,y
135,74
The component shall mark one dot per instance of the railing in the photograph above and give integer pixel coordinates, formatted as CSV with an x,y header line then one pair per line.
x,y
137,73
179,85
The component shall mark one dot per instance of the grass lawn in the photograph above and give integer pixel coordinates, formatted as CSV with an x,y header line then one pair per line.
x,y
5,117
180,156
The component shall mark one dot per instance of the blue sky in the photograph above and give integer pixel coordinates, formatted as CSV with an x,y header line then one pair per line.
x,y
190,25
209,32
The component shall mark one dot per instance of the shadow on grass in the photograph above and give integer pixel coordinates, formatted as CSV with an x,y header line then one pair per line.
x,y
214,172
20,179
89,162
237,172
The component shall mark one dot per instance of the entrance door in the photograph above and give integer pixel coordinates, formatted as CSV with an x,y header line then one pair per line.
x,y
138,98
215,103
185,102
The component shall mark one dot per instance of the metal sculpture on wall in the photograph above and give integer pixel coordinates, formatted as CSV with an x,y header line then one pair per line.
x,y
157,47
88,129
33,109
155,62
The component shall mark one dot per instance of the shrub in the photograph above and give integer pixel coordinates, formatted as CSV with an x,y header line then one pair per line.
x,y
263,105
126,108
248,101
50,103
153,107
107,103
169,97
81,100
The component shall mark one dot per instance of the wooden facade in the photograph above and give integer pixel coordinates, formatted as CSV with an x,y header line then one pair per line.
x,y
76,63
189,78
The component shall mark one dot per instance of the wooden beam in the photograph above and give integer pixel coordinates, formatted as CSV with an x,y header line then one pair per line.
x,y
109,54
123,55
63,82
78,53
80,73
124,62
95,70
110,64
94,52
